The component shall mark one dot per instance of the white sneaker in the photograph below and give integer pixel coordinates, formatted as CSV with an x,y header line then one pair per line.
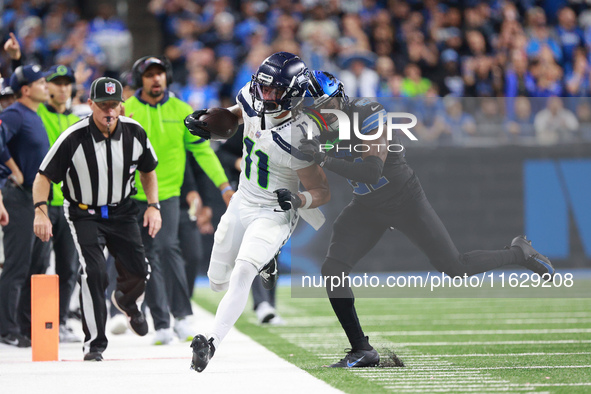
x,y
183,329
265,312
67,334
163,336
118,324
277,321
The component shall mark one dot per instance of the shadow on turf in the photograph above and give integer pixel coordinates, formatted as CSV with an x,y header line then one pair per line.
x,y
389,359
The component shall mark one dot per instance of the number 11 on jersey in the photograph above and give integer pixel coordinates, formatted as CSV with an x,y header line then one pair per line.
x,y
263,163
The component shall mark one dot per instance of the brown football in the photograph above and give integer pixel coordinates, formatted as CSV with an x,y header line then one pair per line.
x,y
221,123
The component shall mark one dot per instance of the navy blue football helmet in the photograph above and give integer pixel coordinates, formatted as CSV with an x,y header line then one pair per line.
x,y
324,86
279,81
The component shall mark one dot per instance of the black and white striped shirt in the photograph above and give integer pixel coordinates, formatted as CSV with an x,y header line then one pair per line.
x,y
98,171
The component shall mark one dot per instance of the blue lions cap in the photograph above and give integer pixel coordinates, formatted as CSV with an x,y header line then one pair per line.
x,y
59,70
25,75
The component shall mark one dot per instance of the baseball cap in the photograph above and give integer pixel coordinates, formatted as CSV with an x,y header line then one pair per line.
x,y
25,75
106,89
59,70
143,66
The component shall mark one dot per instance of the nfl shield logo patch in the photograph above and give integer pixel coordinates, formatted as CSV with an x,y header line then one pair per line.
x,y
110,88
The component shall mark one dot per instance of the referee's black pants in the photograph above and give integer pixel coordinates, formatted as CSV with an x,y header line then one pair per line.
x,y
359,227
167,290
121,235
24,255
66,258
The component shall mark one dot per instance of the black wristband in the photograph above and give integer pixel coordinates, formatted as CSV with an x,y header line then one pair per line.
x,y
38,204
154,205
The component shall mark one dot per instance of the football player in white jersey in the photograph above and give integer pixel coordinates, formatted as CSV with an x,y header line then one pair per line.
x,y
253,229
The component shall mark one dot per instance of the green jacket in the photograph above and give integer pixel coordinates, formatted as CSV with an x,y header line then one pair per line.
x,y
164,124
55,123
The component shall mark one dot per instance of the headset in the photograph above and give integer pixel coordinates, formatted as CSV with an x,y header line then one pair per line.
x,y
140,66
61,71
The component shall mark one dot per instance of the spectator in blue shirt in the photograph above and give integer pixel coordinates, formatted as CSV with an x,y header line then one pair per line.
x,y
570,37
198,92
25,254
79,48
578,81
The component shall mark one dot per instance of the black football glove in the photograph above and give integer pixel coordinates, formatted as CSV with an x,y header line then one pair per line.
x,y
311,150
196,126
288,200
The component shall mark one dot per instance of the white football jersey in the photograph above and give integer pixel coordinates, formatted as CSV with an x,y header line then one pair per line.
x,y
267,161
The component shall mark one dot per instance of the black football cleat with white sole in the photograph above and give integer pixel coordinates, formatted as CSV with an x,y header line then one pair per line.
x,y
203,351
358,359
534,260
269,273
136,321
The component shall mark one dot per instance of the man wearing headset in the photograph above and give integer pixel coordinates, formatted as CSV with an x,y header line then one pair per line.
x,y
162,117
24,254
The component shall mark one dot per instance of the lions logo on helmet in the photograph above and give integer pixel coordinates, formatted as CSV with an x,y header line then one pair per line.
x,y
328,92
279,82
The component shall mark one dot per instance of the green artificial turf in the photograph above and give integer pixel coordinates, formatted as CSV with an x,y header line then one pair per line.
x,y
448,345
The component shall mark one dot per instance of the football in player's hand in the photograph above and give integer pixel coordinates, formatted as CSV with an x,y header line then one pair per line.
x,y
220,122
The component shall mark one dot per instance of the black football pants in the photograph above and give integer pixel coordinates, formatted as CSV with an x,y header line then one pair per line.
x,y
359,227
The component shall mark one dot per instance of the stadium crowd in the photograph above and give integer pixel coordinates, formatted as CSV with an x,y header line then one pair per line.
x,y
408,53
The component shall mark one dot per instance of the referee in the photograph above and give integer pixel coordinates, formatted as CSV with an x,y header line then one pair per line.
x,y
96,160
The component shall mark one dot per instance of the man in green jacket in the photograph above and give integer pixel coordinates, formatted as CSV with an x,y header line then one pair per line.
x,y
56,118
162,116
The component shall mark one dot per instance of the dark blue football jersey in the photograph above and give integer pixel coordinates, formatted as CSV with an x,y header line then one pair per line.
x,y
366,115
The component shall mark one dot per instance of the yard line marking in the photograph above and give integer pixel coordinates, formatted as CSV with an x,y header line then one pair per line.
x,y
490,332
512,385
458,332
495,355
457,369
472,343
296,321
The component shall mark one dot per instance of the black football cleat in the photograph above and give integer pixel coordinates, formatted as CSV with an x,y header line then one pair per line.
x,y
136,321
534,261
93,356
269,273
358,359
203,351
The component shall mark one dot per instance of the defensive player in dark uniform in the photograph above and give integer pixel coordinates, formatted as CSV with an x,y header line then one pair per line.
x,y
386,193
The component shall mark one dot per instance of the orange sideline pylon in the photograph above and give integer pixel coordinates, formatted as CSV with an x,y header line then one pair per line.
x,y
45,317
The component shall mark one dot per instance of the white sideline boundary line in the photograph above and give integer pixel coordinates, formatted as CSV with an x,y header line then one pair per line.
x,y
133,365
